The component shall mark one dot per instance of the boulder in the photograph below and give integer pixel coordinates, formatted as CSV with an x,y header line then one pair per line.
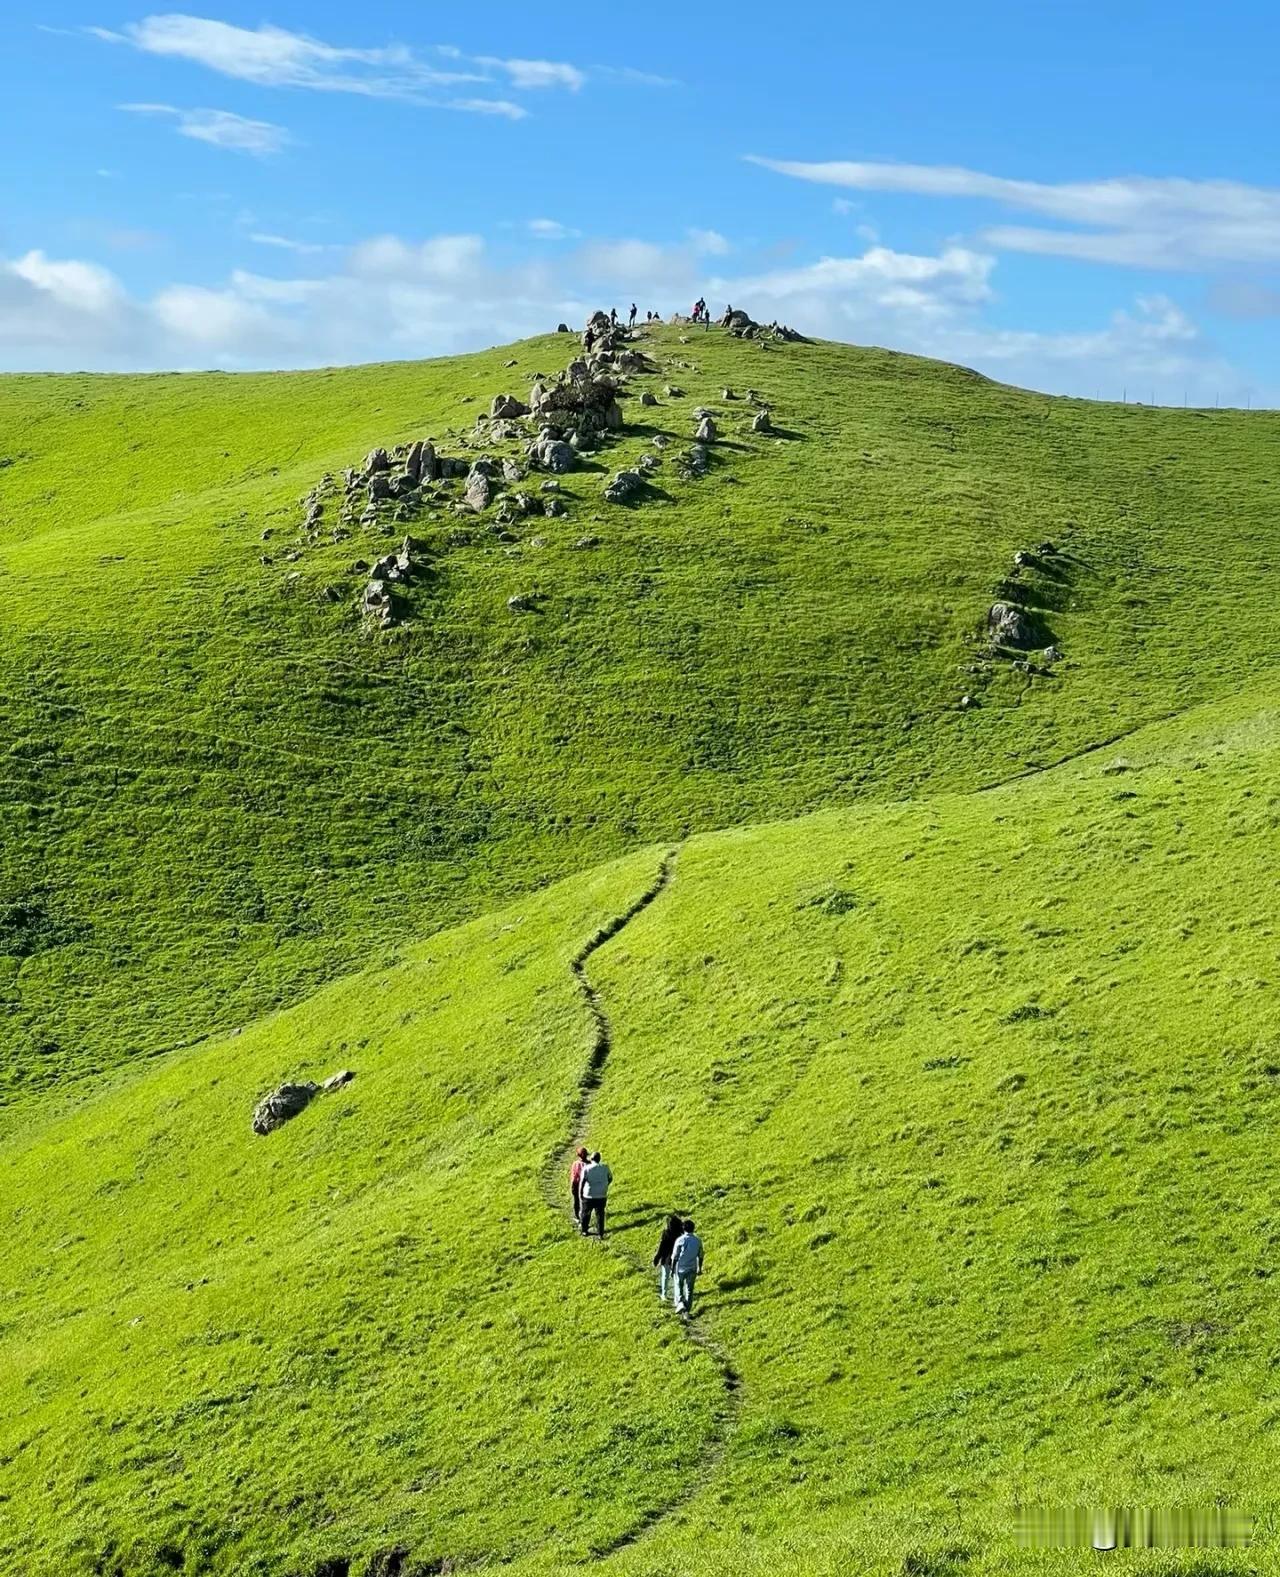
x,y
377,460
521,604
335,1081
479,491
696,461
506,407
1008,625
1051,655
274,1110
587,542
553,506
648,398
760,423
728,394
563,328
553,454
706,433
512,471
379,486
402,485
623,487
673,391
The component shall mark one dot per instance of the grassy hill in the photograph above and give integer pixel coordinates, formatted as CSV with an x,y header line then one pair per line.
x,y
219,790
953,1025
972,1098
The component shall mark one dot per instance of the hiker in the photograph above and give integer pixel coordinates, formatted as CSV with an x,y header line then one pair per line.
x,y
596,1178
588,340
662,1258
686,1262
613,316
575,1180
631,322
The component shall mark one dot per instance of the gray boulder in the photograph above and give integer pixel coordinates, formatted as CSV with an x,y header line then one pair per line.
x,y
1008,625
624,487
553,454
274,1110
521,604
479,491
512,471
379,486
506,407
648,398
706,433
377,460
760,423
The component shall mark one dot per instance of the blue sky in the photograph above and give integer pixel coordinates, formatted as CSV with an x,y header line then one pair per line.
x,y
1076,198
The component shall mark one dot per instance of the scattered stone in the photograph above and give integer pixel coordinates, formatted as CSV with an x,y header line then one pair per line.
x,y
379,486
506,407
479,491
553,506
648,398
587,542
1021,559
521,604
268,533
551,485
728,394
563,328
1052,655
1008,625
274,1110
753,395
377,460
335,1081
760,422
1047,549
512,471
332,593
511,363
553,454
706,433
623,487
673,392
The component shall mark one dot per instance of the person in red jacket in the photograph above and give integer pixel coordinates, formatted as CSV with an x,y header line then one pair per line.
x,y
575,1180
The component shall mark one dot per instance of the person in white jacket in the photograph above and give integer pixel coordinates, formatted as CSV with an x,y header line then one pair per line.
x,y
596,1178
686,1263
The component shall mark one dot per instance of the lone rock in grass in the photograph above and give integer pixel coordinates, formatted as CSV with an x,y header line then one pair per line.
x,y
506,407
706,433
760,423
623,486
1008,625
274,1110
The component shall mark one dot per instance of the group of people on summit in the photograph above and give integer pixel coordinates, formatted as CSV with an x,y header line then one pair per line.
x,y
678,1258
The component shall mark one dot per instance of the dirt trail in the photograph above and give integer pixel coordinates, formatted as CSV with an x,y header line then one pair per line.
x,y
555,1190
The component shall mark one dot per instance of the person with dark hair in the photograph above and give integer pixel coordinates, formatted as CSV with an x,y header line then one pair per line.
x,y
662,1258
631,321
686,1262
596,1178
613,316
575,1180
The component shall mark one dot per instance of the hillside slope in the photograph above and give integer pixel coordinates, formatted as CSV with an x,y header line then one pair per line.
x,y
219,790
972,1098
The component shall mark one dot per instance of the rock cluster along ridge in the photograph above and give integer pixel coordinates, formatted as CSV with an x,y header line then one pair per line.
x,y
287,1100
576,413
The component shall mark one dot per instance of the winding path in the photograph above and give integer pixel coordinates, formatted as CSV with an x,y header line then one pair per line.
x,y
555,1193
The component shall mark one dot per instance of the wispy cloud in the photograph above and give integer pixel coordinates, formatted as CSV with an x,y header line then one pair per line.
x,y
550,230
277,57
287,244
709,242
1135,221
220,128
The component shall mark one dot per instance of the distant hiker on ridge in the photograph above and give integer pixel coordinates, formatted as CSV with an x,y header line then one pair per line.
x,y
686,1262
575,1180
613,316
596,1178
662,1258
631,321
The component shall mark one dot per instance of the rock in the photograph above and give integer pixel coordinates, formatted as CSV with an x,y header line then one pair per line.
x,y
314,512
563,328
587,542
526,503
623,487
1052,655
1021,559
1008,625
1047,549
511,363
553,506
760,423
402,485
506,407
332,593
379,486
377,460
521,604
553,454
648,398
512,471
274,1110
728,394
479,491
360,567
648,463
613,416
706,433
551,485
696,461
673,391
753,395
966,701
335,1081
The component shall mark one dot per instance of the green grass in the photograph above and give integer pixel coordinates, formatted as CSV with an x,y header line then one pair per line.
x,y
954,1029
973,1099
218,792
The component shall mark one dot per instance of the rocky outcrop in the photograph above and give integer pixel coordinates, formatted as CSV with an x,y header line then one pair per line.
x,y
1008,625
623,487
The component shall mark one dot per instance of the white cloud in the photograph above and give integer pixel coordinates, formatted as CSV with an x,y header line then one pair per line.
x,y
221,128
288,244
709,242
1138,221
276,57
550,230
390,296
